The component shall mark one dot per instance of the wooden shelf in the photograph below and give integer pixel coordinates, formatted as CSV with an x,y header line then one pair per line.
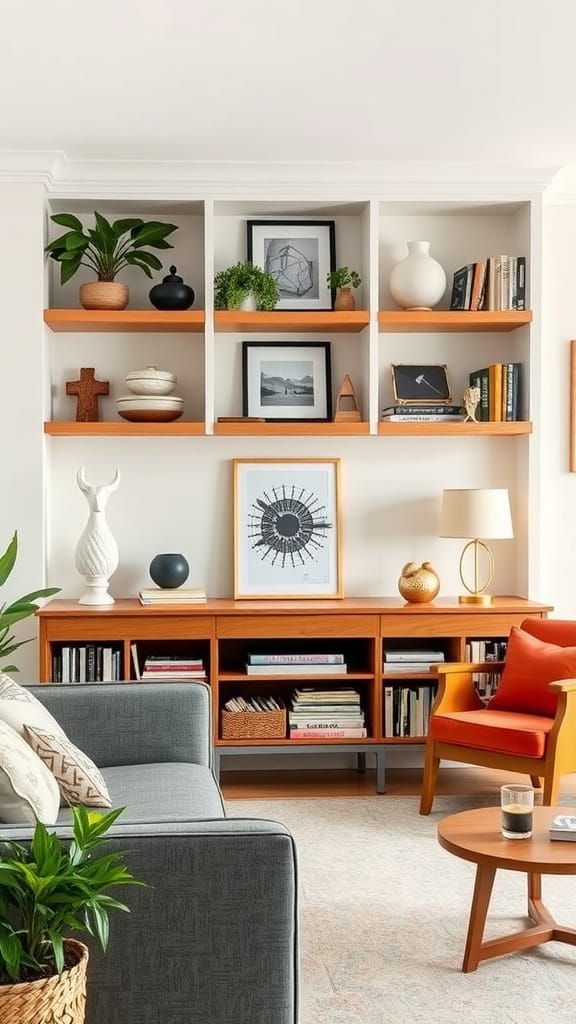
x,y
292,429
123,320
124,429
331,322
305,742
513,429
416,320
339,678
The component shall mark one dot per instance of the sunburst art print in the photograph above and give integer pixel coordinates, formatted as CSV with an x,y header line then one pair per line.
x,y
287,530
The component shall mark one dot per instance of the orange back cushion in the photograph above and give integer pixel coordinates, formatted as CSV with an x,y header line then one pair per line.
x,y
530,666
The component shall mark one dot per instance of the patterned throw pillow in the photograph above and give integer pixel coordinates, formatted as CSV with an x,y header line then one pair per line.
x,y
18,705
79,779
28,791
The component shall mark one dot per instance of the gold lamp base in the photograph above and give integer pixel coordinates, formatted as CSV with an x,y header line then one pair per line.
x,y
475,599
476,594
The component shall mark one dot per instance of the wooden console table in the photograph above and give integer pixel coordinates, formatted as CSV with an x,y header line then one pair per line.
x,y
222,632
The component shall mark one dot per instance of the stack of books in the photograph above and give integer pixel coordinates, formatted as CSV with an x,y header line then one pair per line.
x,y
172,595
295,664
325,714
167,666
418,660
428,412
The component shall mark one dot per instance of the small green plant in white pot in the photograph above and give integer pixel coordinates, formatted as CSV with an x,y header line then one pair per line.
x,y
245,286
344,280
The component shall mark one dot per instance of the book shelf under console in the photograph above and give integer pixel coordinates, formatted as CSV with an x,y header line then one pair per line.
x,y
226,635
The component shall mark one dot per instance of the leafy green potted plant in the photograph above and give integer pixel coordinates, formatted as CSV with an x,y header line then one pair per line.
x,y
20,609
245,286
106,249
344,280
47,889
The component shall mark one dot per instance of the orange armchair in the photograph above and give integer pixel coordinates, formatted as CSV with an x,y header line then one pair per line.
x,y
528,726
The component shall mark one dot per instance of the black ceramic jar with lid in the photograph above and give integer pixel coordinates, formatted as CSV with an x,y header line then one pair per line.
x,y
172,293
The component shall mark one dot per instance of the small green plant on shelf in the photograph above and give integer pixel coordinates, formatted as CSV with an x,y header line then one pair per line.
x,y
343,277
242,281
54,886
108,247
17,610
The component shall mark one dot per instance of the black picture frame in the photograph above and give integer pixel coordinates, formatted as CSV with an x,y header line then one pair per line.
x,y
284,381
298,254
426,383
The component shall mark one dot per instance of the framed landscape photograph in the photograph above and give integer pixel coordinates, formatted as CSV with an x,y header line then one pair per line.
x,y
287,528
298,254
421,383
287,381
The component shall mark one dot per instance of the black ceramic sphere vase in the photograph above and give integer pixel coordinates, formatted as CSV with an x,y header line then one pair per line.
x,y
172,293
169,570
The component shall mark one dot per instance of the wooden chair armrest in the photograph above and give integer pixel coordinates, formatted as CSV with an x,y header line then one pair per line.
x,y
446,667
565,685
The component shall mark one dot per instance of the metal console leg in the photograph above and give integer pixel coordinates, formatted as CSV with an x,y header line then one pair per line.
x,y
361,763
380,770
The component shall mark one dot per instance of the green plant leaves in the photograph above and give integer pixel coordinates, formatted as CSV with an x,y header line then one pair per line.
x,y
8,559
20,609
231,286
108,247
67,220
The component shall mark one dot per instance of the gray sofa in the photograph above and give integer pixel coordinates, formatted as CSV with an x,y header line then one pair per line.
x,y
213,939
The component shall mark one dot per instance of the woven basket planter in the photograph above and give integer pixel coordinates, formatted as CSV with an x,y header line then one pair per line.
x,y
59,999
247,725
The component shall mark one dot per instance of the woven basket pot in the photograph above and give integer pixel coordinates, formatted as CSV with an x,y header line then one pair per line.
x,y
60,999
104,295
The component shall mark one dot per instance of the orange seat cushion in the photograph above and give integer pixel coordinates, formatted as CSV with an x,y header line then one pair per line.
x,y
530,666
505,732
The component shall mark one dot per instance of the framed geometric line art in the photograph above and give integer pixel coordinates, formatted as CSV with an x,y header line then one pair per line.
x,y
287,528
298,254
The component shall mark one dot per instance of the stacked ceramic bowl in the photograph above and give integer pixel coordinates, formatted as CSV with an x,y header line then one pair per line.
x,y
151,400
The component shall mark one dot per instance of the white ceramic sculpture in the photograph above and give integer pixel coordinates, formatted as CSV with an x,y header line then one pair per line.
x,y
418,281
96,555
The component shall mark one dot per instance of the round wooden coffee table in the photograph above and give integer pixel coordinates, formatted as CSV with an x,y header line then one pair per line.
x,y
475,836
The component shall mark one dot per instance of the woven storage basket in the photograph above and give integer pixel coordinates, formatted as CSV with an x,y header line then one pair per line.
x,y
59,999
247,725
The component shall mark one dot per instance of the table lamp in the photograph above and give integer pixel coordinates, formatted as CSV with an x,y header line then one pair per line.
x,y
476,513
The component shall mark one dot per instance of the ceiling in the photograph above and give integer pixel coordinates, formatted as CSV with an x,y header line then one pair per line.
x,y
308,80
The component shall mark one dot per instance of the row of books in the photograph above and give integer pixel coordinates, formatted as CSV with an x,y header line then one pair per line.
x,y
499,386
254,704
86,663
431,412
258,664
498,282
171,595
411,660
167,666
407,710
486,683
325,714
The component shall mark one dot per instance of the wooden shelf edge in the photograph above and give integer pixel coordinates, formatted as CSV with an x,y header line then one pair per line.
x,y
517,428
174,429
453,320
108,320
291,429
286,321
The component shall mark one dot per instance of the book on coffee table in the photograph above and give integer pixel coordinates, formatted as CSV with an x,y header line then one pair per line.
x,y
563,827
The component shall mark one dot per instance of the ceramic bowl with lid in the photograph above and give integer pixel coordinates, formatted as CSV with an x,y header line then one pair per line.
x,y
150,381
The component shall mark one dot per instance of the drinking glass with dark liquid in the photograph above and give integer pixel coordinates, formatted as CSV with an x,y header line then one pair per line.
x,y
517,805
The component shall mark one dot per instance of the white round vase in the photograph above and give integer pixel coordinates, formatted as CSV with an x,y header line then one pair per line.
x,y
418,281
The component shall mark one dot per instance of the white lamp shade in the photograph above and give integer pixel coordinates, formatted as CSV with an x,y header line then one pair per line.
x,y
478,513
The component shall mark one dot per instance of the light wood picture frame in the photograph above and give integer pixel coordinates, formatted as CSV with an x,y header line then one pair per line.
x,y
572,466
573,407
287,528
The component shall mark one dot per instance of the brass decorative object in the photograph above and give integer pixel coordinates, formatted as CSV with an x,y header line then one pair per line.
x,y
470,400
418,584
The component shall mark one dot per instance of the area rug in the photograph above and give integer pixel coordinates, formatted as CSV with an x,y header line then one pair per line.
x,y
384,912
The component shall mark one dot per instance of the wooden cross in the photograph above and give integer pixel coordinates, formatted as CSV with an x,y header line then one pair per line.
x,y
87,390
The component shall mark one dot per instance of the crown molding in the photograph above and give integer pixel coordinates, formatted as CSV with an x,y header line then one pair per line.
x,y
163,180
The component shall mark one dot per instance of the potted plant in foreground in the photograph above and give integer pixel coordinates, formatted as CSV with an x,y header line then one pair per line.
x,y
47,889
19,609
245,286
106,249
344,280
